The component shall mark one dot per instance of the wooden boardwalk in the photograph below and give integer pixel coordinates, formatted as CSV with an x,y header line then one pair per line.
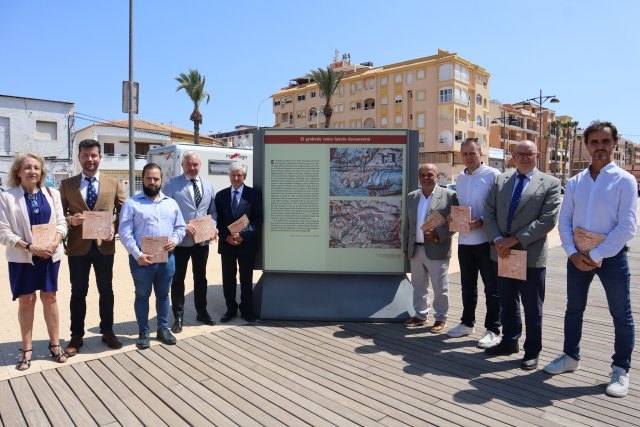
x,y
310,373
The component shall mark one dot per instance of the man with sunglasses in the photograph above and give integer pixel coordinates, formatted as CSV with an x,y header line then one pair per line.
x,y
521,209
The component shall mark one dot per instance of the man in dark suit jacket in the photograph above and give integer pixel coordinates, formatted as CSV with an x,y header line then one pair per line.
x,y
429,251
195,196
90,191
238,250
522,208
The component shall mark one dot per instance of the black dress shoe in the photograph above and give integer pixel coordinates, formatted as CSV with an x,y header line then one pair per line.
x,y
502,349
206,319
177,325
529,363
227,317
249,317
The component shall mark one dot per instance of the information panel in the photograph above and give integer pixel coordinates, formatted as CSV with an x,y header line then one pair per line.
x,y
334,200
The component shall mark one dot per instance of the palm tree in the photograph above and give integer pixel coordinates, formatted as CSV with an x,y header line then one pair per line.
x,y
193,84
328,81
573,129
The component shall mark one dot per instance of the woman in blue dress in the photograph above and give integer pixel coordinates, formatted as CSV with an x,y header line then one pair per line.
x,y
33,266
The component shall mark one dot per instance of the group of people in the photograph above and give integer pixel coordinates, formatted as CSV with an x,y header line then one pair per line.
x,y
516,211
30,208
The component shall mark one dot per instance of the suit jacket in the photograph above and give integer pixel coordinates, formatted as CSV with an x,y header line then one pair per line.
x,y
110,199
15,225
250,204
178,189
535,216
441,201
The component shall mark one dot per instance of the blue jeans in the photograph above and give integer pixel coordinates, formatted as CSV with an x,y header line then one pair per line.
x,y
615,277
159,276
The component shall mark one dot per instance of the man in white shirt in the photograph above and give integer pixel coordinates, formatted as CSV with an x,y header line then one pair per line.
x,y
601,199
472,188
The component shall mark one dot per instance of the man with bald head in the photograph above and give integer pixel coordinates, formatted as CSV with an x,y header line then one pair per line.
x,y
429,251
521,209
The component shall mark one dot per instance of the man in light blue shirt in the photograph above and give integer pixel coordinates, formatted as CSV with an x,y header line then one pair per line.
x,y
151,213
601,199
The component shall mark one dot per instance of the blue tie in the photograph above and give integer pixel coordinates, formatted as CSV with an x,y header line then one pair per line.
x,y
92,196
515,199
235,202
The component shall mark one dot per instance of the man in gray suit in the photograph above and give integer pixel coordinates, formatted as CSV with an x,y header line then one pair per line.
x,y
195,196
429,251
521,209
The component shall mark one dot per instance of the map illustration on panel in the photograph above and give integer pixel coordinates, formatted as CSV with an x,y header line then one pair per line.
x,y
365,223
368,172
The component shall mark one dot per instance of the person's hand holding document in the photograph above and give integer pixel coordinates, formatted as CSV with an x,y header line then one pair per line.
x,y
514,265
202,229
155,249
434,220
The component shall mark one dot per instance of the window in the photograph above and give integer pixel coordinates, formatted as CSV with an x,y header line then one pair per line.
x,y
369,104
352,124
109,148
276,103
398,119
341,90
287,100
46,131
421,139
398,99
313,94
421,120
359,85
409,77
461,96
479,120
461,73
421,95
479,99
420,74
370,83
301,97
353,106
142,149
353,88
383,80
446,95
398,78
383,121
358,124
300,113
384,100
445,72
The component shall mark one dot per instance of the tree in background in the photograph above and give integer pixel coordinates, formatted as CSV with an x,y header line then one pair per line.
x,y
193,84
328,81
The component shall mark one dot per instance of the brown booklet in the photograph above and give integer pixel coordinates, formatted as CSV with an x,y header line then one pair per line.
x,y
587,240
97,225
434,220
460,219
204,228
240,225
43,234
514,266
154,246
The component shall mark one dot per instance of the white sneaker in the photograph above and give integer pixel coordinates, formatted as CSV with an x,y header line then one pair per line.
x,y
489,339
619,384
460,331
562,364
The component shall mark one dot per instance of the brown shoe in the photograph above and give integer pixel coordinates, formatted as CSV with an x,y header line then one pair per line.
x,y
438,327
414,321
74,346
110,339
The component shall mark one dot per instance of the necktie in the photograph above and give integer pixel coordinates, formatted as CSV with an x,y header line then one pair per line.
x,y
235,202
515,199
196,193
92,196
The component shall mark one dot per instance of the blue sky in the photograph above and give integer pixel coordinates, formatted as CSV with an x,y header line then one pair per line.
x,y
586,53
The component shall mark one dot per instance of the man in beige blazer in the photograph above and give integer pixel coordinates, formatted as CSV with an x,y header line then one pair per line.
x,y
90,191
521,209
429,251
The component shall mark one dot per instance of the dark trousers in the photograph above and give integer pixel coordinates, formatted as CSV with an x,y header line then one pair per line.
x,y
230,265
199,256
474,259
79,268
531,293
616,279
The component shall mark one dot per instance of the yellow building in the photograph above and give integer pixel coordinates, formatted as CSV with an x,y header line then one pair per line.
x,y
444,97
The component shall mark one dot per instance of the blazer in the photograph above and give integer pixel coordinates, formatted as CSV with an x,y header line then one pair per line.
x,y
178,189
535,216
110,199
15,226
441,201
250,204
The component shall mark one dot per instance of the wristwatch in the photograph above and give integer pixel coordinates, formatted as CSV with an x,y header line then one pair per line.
x,y
26,248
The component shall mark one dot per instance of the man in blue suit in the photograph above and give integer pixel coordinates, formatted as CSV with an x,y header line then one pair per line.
x,y
195,196
238,250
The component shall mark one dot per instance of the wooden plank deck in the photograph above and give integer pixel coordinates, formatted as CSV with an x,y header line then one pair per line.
x,y
276,373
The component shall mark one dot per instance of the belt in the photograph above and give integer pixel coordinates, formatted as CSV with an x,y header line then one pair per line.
x,y
419,244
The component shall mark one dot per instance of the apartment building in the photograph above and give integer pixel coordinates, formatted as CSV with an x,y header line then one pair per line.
x,y
444,97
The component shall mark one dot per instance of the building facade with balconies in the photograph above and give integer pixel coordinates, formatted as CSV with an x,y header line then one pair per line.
x,y
444,97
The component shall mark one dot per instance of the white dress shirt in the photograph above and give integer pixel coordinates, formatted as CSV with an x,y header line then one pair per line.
x,y
423,208
605,206
472,190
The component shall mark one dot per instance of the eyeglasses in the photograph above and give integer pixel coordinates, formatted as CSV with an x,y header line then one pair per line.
x,y
34,203
525,155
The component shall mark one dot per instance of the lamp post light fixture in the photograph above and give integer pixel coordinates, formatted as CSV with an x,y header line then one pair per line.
x,y
539,100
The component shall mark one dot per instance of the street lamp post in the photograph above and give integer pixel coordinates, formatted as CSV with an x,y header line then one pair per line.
x,y
539,100
258,111
503,120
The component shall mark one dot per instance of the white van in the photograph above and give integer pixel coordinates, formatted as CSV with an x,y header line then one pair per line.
x,y
214,160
